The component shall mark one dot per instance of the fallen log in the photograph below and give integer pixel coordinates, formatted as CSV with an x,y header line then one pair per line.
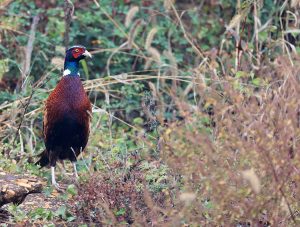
x,y
14,188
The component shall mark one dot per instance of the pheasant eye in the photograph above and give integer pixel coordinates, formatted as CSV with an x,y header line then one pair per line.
x,y
76,50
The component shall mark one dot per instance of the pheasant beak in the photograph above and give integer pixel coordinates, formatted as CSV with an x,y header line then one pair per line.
x,y
87,54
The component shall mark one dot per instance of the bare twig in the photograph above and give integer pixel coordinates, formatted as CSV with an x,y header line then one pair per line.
x,y
69,11
119,27
256,32
22,118
25,70
38,84
195,48
277,180
238,35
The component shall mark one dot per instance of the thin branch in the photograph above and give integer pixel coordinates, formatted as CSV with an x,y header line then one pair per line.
x,y
277,180
256,32
22,118
69,11
28,51
195,48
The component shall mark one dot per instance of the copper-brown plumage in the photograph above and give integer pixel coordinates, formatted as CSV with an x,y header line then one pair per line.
x,y
67,116
66,121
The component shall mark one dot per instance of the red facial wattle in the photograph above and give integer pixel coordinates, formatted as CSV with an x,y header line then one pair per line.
x,y
77,54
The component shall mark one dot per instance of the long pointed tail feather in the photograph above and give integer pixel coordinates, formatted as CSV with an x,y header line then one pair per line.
x,y
44,160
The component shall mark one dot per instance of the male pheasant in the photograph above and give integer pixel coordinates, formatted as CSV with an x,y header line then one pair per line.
x,y
67,115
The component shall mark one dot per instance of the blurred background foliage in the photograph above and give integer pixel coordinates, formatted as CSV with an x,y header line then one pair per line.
x,y
195,107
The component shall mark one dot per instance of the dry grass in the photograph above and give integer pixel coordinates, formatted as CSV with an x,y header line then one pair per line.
x,y
242,157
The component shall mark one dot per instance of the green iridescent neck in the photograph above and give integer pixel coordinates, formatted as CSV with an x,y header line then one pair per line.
x,y
71,68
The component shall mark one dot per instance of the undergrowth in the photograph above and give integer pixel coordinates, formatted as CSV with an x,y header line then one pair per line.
x,y
195,116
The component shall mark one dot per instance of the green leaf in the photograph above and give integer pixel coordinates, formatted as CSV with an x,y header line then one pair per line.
x,y
72,190
241,74
121,211
138,121
85,69
263,36
256,81
3,67
61,212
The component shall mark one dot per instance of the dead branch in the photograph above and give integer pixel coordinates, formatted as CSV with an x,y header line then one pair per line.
x,y
69,11
28,51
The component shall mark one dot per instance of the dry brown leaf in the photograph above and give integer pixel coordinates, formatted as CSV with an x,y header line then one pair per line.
x,y
252,178
284,206
187,197
55,193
